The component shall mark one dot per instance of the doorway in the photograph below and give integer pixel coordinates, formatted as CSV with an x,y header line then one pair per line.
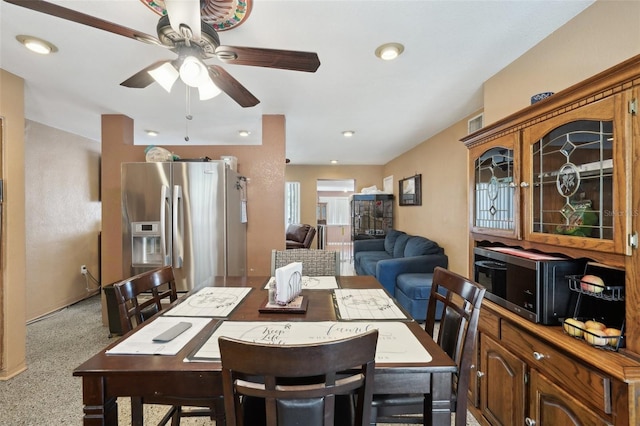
x,y
333,216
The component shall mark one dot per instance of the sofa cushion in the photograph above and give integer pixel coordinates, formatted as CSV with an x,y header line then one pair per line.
x,y
367,261
412,293
415,285
417,246
401,243
390,240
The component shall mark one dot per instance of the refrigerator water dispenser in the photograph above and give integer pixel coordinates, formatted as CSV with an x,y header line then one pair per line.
x,y
146,244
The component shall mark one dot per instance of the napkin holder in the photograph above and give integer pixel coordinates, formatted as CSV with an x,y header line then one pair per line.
x,y
284,291
288,283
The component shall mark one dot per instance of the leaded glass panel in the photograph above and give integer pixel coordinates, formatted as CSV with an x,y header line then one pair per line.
x,y
572,180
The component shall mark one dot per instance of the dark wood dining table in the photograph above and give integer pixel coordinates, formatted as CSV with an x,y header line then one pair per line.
x,y
107,377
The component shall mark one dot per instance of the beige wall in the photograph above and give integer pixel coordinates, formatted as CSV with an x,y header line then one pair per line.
x,y
605,34
63,218
13,261
443,215
308,176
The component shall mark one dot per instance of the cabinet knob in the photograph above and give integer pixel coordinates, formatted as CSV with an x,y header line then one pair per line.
x,y
512,185
529,421
524,184
538,356
479,374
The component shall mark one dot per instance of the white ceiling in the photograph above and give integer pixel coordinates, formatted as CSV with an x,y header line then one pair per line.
x,y
451,48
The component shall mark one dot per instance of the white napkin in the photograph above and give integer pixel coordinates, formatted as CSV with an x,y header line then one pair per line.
x,y
288,282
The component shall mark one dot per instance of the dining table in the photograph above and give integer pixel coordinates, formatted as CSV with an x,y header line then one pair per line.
x,y
110,377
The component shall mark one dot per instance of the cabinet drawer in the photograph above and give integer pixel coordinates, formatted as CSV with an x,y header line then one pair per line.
x,y
489,323
585,384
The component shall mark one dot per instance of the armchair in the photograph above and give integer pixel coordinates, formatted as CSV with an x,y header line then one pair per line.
x,y
299,236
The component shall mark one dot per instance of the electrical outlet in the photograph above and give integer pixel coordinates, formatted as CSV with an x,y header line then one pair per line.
x,y
83,269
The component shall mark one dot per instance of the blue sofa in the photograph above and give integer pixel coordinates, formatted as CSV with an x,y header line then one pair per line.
x,y
398,253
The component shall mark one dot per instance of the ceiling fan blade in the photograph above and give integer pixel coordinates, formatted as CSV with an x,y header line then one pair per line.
x,y
81,18
142,78
232,87
269,58
185,12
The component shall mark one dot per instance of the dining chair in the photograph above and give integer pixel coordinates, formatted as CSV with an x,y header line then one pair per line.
x,y
460,299
298,384
139,298
315,263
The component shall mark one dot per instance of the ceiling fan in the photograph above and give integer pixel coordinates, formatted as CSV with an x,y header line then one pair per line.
x,y
183,31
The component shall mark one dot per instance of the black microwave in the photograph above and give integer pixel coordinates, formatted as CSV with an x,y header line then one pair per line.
x,y
533,285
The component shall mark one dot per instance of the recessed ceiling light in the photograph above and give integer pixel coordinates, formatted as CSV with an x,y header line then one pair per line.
x,y
348,133
151,132
244,133
36,44
334,161
389,51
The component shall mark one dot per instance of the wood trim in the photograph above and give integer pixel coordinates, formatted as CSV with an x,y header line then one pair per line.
x,y
617,365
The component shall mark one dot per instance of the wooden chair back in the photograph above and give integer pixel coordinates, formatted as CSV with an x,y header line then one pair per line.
x,y
315,263
139,298
461,299
298,381
144,295
456,333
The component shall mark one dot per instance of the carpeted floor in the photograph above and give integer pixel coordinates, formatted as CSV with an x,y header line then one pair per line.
x,y
47,394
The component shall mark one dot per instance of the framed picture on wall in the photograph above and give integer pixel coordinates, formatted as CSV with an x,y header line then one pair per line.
x,y
411,191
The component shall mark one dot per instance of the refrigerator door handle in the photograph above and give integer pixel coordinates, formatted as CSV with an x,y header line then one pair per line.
x,y
178,227
165,210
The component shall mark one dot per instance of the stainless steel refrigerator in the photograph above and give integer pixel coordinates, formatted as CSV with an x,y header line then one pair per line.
x,y
188,214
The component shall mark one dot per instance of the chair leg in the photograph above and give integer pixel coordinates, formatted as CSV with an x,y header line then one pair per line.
x,y
218,411
427,411
374,416
136,411
175,419
171,415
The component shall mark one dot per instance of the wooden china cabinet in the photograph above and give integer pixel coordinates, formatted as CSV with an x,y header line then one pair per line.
x,y
557,177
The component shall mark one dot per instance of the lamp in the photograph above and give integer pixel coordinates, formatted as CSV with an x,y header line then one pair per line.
x,y
165,75
36,44
208,90
389,51
193,72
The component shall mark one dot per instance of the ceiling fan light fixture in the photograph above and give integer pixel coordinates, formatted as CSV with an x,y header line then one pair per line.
x,y
389,51
165,75
36,44
208,90
193,72
348,133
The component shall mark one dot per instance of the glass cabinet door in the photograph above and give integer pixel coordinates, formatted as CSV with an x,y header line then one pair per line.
x,y
495,188
575,193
